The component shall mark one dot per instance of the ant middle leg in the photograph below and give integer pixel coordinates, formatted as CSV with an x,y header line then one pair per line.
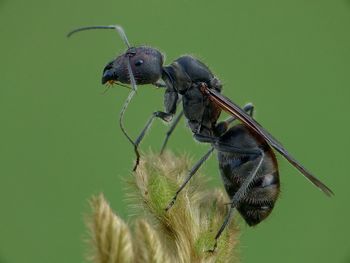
x,y
191,173
170,130
215,145
167,117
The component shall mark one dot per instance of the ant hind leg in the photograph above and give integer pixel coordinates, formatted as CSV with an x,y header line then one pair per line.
x,y
222,127
239,194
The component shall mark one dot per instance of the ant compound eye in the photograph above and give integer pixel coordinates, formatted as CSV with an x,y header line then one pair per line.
x,y
139,62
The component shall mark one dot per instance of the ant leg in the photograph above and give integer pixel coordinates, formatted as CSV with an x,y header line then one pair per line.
x,y
239,194
223,147
170,102
171,129
157,114
192,172
248,108
222,126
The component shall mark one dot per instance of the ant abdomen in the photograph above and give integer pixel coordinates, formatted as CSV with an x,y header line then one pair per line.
x,y
235,168
260,199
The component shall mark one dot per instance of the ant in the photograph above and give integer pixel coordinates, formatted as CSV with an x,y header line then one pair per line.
x,y
247,162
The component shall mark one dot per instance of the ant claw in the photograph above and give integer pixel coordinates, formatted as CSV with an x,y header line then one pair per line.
x,y
172,202
213,250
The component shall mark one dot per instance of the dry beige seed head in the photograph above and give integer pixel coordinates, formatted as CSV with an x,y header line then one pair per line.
x,y
183,234
110,235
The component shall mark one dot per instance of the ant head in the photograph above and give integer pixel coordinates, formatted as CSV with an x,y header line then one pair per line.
x,y
138,65
146,64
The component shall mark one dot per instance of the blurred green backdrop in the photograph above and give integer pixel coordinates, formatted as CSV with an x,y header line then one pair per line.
x,y
61,143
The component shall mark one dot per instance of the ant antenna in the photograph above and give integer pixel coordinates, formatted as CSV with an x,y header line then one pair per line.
x,y
122,34
119,29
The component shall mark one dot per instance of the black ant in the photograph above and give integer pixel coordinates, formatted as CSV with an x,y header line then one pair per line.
x,y
247,162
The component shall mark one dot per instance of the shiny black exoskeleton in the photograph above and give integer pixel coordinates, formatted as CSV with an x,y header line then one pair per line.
x,y
183,77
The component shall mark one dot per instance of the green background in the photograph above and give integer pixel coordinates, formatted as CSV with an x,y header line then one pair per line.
x,y
61,143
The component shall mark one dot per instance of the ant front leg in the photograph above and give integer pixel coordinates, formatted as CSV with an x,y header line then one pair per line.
x,y
167,117
170,101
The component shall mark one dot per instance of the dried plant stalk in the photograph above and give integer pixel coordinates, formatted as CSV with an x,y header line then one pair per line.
x,y
183,234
